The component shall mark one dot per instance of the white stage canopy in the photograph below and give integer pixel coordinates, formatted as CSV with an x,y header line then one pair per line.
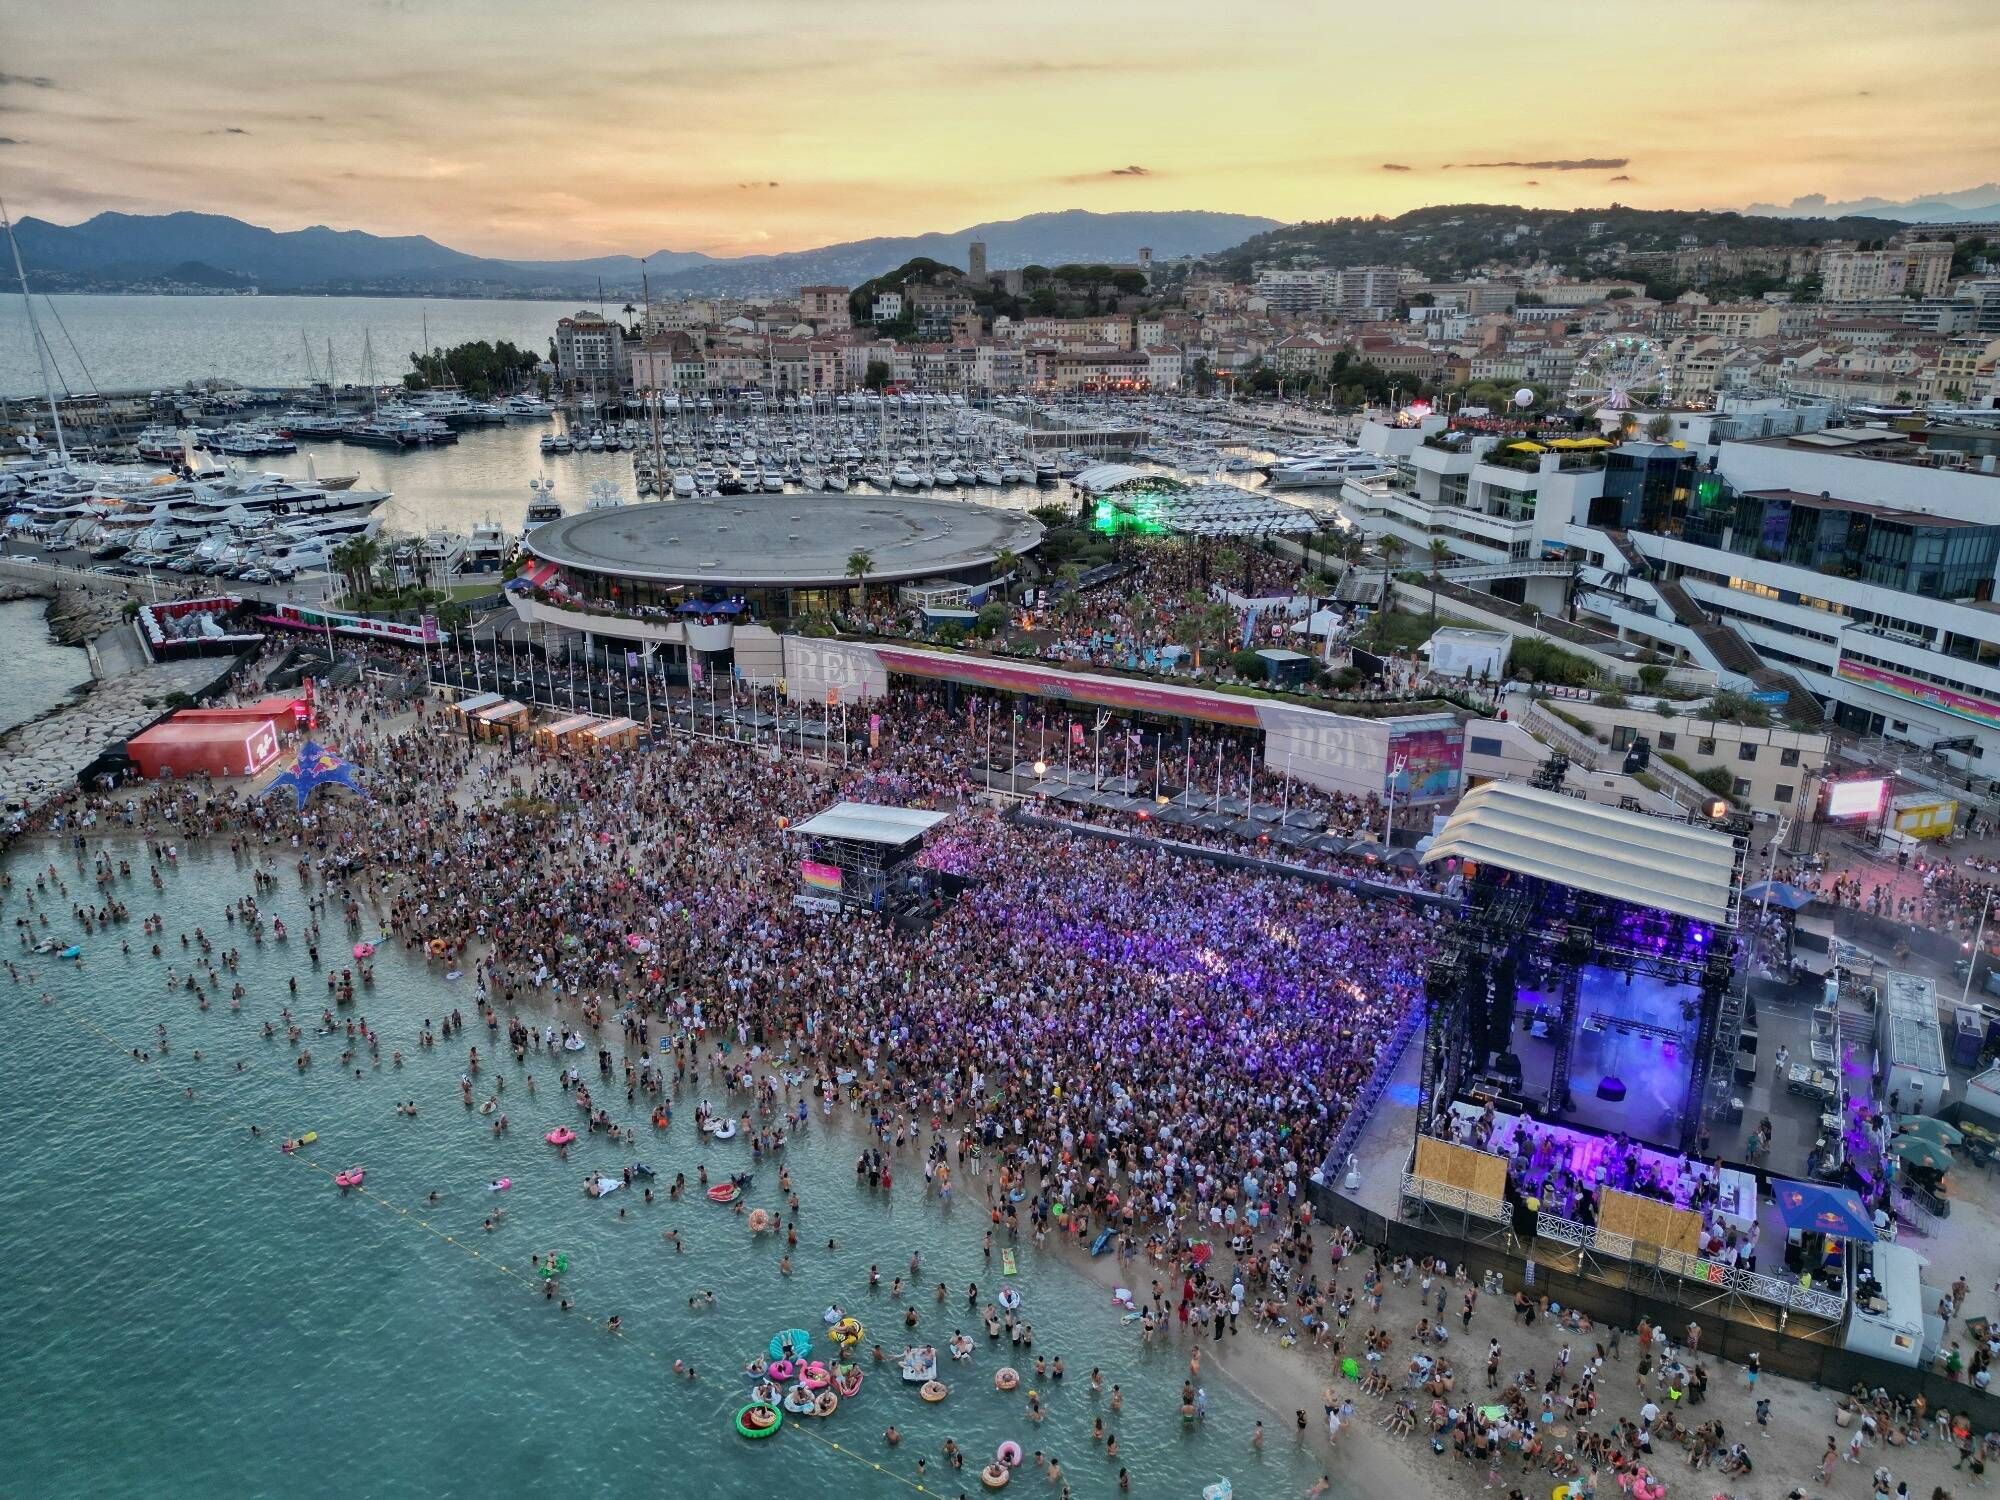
x,y
865,823
1627,856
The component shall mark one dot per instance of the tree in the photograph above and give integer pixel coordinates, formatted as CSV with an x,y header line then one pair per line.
x,y
860,563
1659,427
354,560
1202,376
1392,549
1005,561
1440,551
877,375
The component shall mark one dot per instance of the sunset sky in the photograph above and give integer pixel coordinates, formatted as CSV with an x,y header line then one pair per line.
x,y
572,127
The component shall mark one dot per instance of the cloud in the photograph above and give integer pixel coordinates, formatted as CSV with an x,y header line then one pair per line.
x,y
227,130
749,186
1532,182
1133,170
1394,166
26,81
8,140
1621,177
1559,164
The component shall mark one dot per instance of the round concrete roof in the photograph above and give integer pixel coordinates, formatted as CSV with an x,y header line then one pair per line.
x,y
770,540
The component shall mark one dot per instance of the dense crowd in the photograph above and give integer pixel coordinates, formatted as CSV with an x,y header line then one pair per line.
x,y
1146,1038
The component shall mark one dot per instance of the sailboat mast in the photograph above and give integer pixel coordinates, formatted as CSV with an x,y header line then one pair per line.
x,y
35,333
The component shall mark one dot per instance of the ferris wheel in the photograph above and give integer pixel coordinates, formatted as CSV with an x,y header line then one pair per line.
x,y
1616,371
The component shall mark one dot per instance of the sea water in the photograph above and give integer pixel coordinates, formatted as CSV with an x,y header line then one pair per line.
x,y
190,1311
37,672
117,343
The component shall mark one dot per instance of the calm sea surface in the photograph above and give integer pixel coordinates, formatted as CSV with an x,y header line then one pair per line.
x,y
147,343
36,671
190,1312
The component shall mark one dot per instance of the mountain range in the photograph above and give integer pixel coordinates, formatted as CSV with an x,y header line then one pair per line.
x,y
119,252
1977,205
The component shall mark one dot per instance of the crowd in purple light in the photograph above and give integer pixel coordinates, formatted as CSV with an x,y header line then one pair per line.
x,y
1148,1038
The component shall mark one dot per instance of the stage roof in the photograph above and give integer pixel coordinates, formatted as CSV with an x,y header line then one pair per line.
x,y
866,823
1624,855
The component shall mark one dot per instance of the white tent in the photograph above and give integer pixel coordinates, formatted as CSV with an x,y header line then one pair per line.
x,y
1323,622
865,823
1627,856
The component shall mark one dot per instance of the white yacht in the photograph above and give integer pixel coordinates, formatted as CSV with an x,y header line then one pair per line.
x,y
684,485
904,477
1327,470
159,445
486,550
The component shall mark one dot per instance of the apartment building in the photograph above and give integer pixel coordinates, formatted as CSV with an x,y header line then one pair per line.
x,y
825,307
1917,268
590,350
1295,291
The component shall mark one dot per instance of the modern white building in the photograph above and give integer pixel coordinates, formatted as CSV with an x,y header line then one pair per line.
x,y
1853,565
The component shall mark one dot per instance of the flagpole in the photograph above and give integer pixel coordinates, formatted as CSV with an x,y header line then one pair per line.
x,y
570,663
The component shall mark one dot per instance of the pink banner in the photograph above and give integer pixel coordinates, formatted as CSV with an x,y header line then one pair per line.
x,y
1916,690
1112,692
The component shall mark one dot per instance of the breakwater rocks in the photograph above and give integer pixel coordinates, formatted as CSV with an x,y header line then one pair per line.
x,y
77,612
40,761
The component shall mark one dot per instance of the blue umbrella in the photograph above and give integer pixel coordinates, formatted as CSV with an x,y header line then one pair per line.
x,y
1829,1210
1790,897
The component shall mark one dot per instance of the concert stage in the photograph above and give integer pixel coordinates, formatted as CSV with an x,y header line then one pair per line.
x,y
1588,975
859,855
1628,1059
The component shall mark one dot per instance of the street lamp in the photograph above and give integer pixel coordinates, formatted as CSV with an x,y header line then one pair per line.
x,y
1972,962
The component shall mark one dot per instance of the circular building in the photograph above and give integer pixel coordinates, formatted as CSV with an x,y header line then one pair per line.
x,y
781,555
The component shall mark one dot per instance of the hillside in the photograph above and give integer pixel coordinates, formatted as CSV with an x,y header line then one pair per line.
x,y
119,252
1450,240
1071,236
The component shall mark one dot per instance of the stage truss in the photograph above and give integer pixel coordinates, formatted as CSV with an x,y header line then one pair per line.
x,y
1508,919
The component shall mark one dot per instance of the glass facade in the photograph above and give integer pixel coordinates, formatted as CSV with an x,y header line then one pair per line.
x,y
1647,487
1911,554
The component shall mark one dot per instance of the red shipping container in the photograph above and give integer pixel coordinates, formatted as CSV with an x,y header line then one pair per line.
x,y
181,748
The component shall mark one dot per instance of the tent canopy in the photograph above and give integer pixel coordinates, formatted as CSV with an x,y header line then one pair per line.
x,y
1828,1210
867,824
1790,897
1627,856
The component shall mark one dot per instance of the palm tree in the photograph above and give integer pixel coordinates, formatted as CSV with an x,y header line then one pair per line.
x,y
1440,551
355,559
1005,561
1391,548
860,563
